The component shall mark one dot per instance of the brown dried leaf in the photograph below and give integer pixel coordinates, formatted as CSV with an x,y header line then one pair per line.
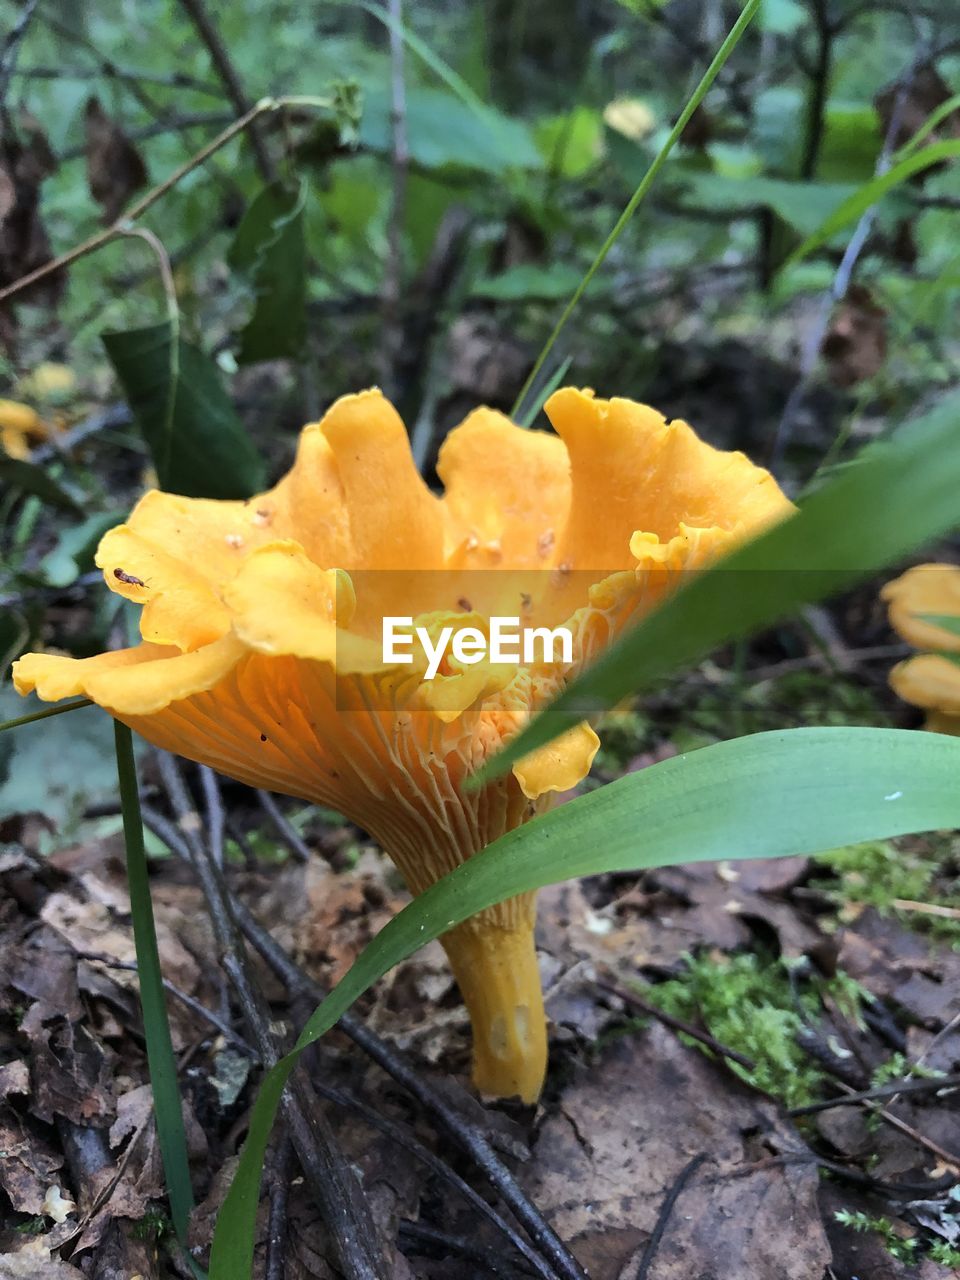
x,y
855,345
115,168
903,967
28,1162
34,1262
70,1071
612,1147
926,92
25,161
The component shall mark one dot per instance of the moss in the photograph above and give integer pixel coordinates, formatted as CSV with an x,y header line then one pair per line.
x,y
750,1004
880,873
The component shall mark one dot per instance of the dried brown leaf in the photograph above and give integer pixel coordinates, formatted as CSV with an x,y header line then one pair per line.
x,y
115,168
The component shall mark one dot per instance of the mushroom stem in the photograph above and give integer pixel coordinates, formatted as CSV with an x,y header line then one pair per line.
x,y
496,971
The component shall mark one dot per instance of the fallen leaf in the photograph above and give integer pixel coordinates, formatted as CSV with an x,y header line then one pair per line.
x,y
616,1139
855,345
115,168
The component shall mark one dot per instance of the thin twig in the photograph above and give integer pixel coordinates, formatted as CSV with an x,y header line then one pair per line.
x,y
279,1180
178,80
345,1211
11,47
172,124
393,1062
927,908
201,1010
443,1245
136,210
409,1143
220,57
284,827
819,77
215,816
115,415
678,1024
841,283
933,1085
400,159
653,1244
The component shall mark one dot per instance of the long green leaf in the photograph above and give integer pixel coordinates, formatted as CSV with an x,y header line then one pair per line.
x,y
167,1106
199,445
45,714
935,118
796,791
270,249
947,621
857,204
646,182
898,495
29,477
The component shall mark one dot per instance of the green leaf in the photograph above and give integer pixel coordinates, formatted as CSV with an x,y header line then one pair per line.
x,y
804,206
571,144
898,495
443,132
782,17
797,791
856,205
852,140
14,636
270,249
946,621
526,280
75,548
199,446
29,477
164,1085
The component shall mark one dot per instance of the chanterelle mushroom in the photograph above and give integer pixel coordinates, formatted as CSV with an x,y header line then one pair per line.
x,y
262,621
931,680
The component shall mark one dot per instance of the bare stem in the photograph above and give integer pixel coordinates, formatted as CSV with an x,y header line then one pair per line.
x,y
140,207
220,57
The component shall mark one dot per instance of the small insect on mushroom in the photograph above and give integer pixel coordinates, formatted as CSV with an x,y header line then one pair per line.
x,y
128,578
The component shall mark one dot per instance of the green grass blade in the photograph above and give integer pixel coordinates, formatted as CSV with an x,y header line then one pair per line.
x,y
947,621
442,70
798,791
646,182
856,205
160,1058
529,418
898,495
935,118
45,714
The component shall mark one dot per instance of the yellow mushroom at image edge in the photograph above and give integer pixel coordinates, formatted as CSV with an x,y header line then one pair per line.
x,y
916,601
262,622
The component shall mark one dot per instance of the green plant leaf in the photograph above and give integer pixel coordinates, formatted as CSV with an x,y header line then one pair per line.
x,y
164,1086
856,205
898,495
444,132
528,281
947,621
199,446
14,636
30,477
798,791
747,14
270,249
804,206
